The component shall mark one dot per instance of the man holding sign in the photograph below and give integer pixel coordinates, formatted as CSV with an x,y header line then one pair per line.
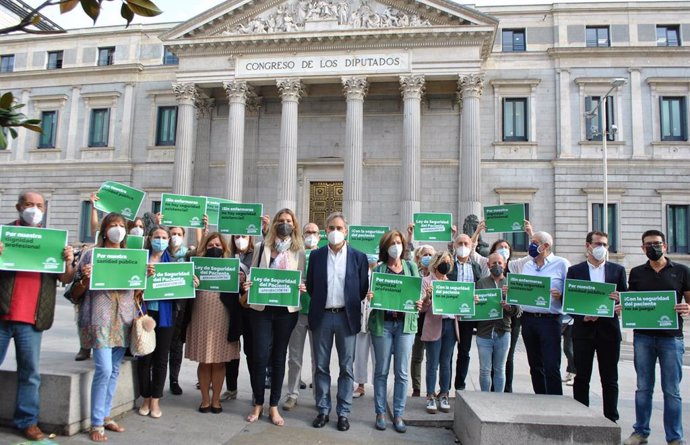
x,y
27,308
666,345
597,334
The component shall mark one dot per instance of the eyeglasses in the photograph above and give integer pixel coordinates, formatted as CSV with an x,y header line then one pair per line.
x,y
311,233
654,244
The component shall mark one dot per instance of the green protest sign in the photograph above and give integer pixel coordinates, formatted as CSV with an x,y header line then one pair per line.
x,y
119,198
32,249
432,226
505,218
366,238
649,310
488,306
395,292
274,287
118,269
452,298
217,274
213,207
581,297
134,241
305,298
323,238
170,281
240,219
529,290
183,211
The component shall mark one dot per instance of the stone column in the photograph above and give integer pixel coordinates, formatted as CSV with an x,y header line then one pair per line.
x,y
127,122
290,92
237,91
73,142
355,89
636,112
187,94
563,103
412,88
470,191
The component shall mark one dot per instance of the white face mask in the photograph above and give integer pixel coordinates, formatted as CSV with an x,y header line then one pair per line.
x,y
138,231
116,234
462,252
505,253
599,253
176,240
241,243
395,250
335,237
311,241
32,216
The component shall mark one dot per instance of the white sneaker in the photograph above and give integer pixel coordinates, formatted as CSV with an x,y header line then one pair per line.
x,y
444,404
635,439
431,405
568,377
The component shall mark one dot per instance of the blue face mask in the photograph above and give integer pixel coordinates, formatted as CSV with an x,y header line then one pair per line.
x,y
159,245
426,259
533,250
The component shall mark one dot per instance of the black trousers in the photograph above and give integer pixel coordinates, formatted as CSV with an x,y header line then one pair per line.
x,y
153,368
608,352
462,364
177,347
232,368
274,326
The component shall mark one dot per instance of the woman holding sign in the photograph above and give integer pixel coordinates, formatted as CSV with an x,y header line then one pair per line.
x,y
105,321
392,333
178,252
282,249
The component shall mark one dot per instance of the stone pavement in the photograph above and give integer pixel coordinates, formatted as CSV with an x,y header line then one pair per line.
x,y
182,424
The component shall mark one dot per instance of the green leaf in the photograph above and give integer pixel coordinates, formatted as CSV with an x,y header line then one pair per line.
x,y
92,8
126,13
35,128
13,132
68,5
144,8
3,141
6,100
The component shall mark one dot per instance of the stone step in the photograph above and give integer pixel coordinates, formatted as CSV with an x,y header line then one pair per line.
x,y
416,415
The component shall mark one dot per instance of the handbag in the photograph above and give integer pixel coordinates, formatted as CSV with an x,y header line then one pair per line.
x,y
68,290
142,337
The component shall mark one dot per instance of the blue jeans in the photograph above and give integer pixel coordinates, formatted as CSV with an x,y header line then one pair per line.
x,y
27,347
334,325
393,342
493,353
107,362
439,353
669,351
542,338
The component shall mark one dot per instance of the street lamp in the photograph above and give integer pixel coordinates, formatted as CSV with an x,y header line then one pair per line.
x,y
615,83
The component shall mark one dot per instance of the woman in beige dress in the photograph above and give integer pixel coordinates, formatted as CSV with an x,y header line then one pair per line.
x,y
207,333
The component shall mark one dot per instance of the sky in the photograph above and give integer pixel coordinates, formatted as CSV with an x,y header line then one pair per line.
x,y
181,10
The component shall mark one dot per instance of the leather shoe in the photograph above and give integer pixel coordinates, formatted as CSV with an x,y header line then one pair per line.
x,y
83,354
175,388
320,421
343,423
33,432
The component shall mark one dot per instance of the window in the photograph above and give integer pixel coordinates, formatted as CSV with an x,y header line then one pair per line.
x,y
513,40
48,129
611,222
98,129
667,35
678,228
515,119
674,119
106,56
155,207
593,123
598,36
169,58
85,229
166,125
54,60
519,241
7,63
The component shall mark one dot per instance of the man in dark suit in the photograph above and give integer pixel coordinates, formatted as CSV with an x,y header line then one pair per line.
x,y
337,281
598,334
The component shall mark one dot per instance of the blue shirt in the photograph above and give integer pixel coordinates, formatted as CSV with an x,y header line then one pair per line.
x,y
555,267
164,307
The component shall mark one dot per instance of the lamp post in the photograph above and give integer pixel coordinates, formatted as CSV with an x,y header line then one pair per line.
x,y
615,83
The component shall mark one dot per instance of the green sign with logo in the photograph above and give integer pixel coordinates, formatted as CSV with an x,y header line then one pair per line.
x,y
366,238
183,211
432,226
323,239
118,269
32,249
505,218
649,310
119,198
217,274
581,297
134,241
488,306
274,287
452,298
170,281
240,219
305,299
395,292
529,290
213,208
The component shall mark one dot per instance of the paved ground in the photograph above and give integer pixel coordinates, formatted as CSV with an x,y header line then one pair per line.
x,y
182,424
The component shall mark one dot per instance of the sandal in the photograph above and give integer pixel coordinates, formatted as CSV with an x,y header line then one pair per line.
x,y
97,434
251,418
111,425
276,419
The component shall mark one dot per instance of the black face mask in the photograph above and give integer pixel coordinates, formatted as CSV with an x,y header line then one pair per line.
x,y
654,253
496,270
283,229
214,252
443,268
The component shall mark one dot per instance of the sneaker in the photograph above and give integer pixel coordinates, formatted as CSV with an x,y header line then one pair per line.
x,y
431,405
676,442
358,392
290,403
570,382
635,439
444,404
228,395
568,377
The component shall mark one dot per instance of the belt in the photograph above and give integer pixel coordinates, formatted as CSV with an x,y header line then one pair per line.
x,y
335,310
540,315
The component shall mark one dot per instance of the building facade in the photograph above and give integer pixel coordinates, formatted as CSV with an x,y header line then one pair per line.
x,y
379,108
